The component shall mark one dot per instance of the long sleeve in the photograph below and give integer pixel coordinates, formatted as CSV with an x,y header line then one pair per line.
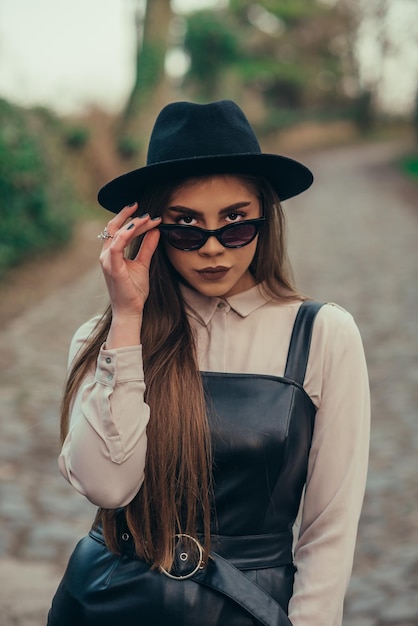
x,y
103,455
336,473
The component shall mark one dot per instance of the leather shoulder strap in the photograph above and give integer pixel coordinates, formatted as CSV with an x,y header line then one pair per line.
x,y
297,357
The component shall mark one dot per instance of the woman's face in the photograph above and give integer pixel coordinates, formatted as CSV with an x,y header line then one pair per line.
x,y
211,203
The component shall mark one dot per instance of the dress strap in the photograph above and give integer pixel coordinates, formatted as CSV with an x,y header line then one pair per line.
x,y
300,341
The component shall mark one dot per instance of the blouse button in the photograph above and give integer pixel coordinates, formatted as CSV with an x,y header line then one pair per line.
x,y
221,305
108,359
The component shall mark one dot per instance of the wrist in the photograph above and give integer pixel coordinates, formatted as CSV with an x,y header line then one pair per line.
x,y
125,330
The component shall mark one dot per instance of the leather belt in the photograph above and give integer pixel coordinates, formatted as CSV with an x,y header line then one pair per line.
x,y
246,552
254,551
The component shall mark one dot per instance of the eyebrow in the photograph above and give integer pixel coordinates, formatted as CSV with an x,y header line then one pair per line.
x,y
193,212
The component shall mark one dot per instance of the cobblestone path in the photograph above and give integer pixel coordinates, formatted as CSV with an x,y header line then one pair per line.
x,y
353,240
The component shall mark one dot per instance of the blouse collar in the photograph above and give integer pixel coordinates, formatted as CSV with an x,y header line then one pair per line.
x,y
203,308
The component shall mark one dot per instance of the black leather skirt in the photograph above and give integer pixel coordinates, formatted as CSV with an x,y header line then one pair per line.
x,y
104,589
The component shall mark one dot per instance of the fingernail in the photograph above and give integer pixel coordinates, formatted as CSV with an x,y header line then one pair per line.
x,y
143,216
155,219
132,204
131,225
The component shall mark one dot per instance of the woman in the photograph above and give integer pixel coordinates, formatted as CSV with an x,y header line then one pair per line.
x,y
211,402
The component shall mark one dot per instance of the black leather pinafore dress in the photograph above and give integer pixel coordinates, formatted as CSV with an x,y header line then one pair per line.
x,y
262,429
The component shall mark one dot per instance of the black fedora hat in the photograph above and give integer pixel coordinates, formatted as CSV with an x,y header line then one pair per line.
x,y
193,139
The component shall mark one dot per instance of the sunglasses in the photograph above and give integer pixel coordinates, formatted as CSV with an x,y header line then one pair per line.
x,y
189,238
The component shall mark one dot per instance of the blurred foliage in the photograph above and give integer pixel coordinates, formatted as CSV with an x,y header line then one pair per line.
x,y
292,12
363,111
212,45
409,165
293,53
36,203
128,147
77,137
415,116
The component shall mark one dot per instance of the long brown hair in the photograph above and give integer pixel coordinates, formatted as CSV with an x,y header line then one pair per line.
x,y
176,493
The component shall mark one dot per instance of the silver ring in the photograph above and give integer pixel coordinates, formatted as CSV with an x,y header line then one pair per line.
x,y
182,555
104,235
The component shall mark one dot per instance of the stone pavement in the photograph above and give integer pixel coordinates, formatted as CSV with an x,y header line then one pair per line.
x,y
353,240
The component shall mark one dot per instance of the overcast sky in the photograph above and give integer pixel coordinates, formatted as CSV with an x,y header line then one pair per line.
x,y
68,53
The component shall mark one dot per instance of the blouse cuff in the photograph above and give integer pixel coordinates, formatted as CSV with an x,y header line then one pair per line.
x,y
119,365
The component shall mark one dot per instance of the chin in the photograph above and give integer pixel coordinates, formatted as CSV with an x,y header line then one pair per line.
x,y
212,291
222,288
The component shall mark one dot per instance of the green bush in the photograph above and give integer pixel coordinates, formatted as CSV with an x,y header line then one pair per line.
x,y
77,137
409,165
31,187
128,147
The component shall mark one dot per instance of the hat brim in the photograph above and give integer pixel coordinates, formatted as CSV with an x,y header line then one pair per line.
x,y
287,176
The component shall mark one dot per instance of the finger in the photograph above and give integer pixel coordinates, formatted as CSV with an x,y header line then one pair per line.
x,y
136,227
116,223
120,218
114,251
104,236
148,247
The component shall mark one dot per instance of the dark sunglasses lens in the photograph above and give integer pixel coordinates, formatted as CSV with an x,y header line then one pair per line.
x,y
238,235
185,238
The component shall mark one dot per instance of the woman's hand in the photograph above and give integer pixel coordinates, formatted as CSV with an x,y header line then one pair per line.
x,y
127,280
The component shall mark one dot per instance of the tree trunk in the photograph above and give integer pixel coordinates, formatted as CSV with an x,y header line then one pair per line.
x,y
152,44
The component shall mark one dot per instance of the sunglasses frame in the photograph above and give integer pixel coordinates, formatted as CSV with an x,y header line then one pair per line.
x,y
205,234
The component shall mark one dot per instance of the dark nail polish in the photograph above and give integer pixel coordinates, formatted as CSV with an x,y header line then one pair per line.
x,y
144,215
132,204
131,225
155,219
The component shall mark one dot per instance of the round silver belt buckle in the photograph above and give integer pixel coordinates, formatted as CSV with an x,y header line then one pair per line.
x,y
183,556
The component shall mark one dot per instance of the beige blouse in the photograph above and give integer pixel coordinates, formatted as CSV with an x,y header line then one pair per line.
x,y
103,456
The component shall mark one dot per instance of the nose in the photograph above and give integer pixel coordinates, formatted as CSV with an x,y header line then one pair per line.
x,y
212,247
